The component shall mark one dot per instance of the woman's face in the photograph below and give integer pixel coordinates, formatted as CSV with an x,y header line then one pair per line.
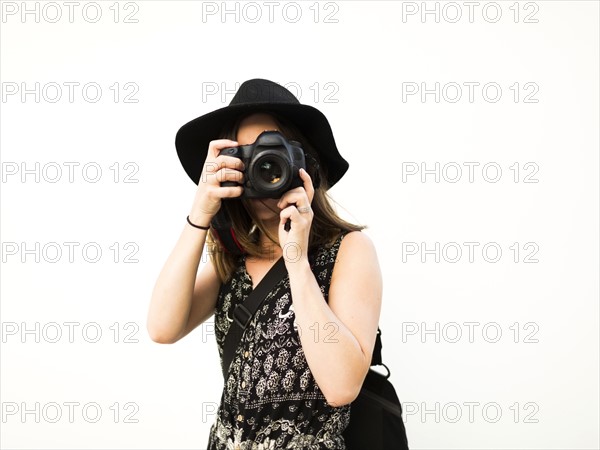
x,y
265,208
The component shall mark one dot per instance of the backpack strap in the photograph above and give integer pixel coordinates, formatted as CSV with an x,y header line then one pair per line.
x,y
376,359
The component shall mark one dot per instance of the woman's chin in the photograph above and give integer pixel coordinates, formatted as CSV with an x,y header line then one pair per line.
x,y
265,209
268,216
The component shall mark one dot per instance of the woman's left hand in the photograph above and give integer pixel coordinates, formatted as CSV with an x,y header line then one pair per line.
x,y
296,206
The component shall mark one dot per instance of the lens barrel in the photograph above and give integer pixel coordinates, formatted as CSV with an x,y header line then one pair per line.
x,y
270,173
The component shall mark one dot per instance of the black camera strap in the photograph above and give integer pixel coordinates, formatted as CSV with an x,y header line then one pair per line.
x,y
243,312
222,230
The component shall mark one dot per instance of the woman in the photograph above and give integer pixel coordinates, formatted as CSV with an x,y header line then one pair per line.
x,y
304,356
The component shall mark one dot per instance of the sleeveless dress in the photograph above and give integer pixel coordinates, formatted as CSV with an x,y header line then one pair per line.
x,y
270,400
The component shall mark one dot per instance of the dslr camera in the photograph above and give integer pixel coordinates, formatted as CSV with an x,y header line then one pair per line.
x,y
272,165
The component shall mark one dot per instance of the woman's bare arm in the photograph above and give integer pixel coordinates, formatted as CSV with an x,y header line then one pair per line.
x,y
180,299
340,362
338,337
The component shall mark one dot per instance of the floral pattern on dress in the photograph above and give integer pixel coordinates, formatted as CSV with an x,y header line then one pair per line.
x,y
270,399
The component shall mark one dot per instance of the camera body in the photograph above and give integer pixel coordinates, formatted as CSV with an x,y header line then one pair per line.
x,y
272,165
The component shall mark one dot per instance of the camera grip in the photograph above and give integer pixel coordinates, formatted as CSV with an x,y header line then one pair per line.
x,y
229,183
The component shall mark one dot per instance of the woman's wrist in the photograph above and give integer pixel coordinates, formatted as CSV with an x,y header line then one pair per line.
x,y
298,267
199,219
201,227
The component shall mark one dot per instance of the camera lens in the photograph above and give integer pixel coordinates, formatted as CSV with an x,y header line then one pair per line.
x,y
270,172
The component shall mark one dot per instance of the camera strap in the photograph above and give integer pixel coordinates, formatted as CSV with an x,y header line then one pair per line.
x,y
222,231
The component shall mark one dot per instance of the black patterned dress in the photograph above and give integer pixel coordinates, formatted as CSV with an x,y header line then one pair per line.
x,y
270,400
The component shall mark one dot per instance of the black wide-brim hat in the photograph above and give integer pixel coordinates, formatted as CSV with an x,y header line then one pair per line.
x,y
259,95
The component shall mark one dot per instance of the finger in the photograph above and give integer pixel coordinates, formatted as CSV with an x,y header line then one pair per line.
x,y
229,191
229,175
211,167
298,198
308,184
289,213
214,147
292,213
229,161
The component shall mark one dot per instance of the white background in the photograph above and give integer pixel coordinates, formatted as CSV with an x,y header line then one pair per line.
x,y
544,385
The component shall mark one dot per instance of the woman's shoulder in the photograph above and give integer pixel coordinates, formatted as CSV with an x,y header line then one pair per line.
x,y
356,257
355,244
346,241
355,239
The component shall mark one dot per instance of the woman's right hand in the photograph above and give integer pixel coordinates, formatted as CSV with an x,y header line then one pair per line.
x,y
217,168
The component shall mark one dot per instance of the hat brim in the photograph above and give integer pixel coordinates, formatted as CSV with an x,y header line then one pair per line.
x,y
193,138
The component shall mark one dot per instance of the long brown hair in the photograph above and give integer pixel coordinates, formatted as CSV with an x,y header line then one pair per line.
x,y
326,225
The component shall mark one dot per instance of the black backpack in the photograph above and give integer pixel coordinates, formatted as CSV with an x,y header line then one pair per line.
x,y
376,414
